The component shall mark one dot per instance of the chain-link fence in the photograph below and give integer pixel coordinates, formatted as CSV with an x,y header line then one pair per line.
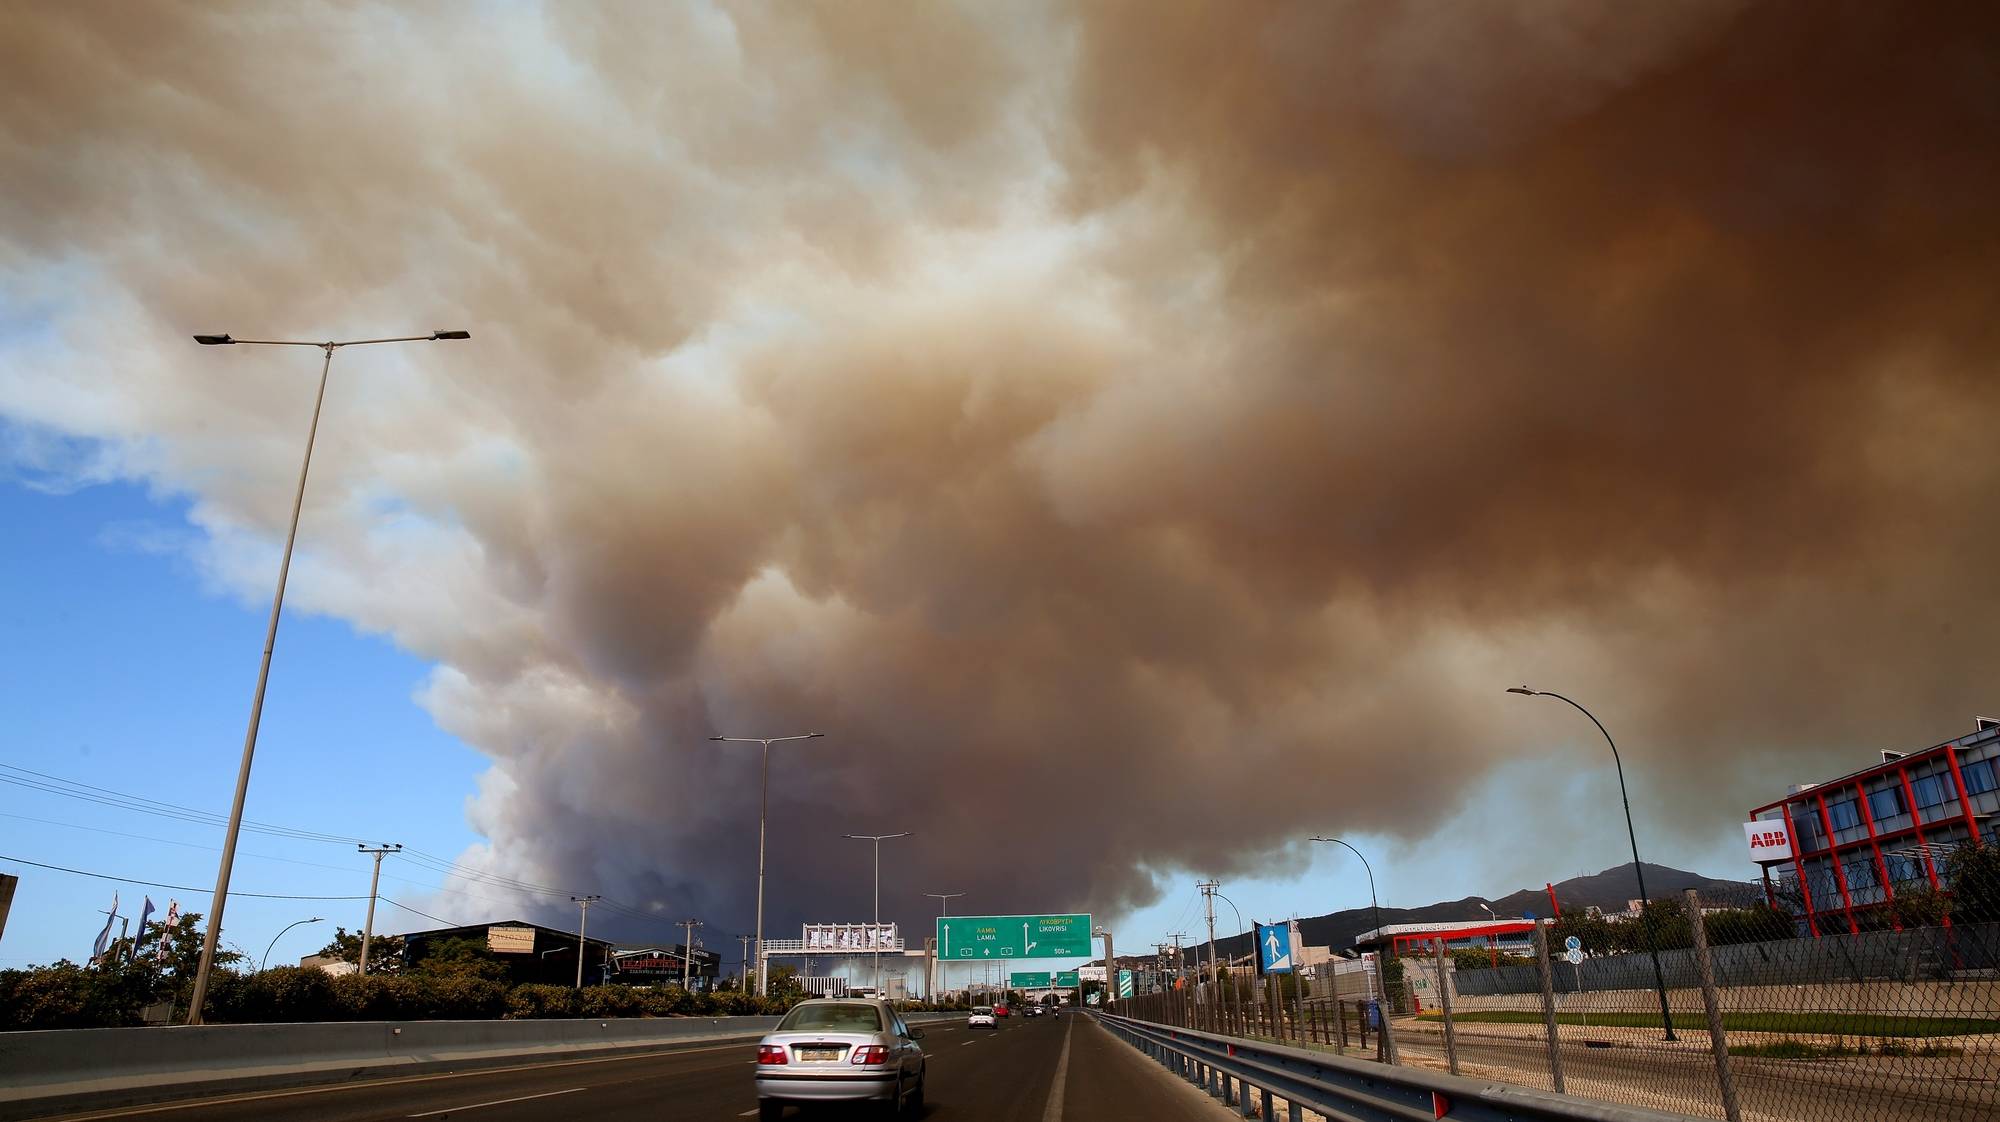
x,y
1744,1006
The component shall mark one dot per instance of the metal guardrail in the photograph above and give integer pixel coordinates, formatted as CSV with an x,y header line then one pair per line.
x,y
1230,1068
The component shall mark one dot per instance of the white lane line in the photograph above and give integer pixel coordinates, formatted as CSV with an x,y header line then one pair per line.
x,y
968,1044
497,1102
476,1073
751,1113
1053,1112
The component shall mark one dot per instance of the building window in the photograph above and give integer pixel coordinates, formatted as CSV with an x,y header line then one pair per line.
x,y
1979,777
1860,875
1903,868
1843,814
1932,790
1886,803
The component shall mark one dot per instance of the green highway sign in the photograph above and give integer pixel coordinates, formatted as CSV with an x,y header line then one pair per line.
x,y
1066,979
1124,983
1029,979
991,937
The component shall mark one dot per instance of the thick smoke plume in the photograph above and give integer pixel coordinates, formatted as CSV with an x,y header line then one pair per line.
x,y
1139,434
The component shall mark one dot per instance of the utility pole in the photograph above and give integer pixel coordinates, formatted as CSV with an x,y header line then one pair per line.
x,y
745,940
687,953
581,924
1208,888
374,882
1180,969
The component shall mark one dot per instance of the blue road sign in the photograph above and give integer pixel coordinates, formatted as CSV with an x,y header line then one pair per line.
x,y
1572,944
1274,948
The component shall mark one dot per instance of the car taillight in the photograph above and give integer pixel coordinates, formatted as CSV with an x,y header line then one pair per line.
x,y
870,1054
770,1053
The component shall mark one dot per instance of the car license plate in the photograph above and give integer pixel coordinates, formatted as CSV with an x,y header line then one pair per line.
x,y
820,1054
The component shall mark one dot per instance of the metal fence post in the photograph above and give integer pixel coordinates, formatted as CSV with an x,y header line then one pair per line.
x,y
1387,1036
1444,1004
1711,1003
1549,1006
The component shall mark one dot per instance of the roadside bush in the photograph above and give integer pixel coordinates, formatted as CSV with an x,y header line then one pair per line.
x,y
66,995
281,995
531,1001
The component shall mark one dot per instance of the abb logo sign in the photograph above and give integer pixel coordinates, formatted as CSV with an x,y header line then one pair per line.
x,y
1768,841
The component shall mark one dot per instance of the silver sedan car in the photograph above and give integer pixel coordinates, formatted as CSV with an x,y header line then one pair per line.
x,y
840,1050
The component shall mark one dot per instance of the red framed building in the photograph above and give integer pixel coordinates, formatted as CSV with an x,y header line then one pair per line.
x,y
1859,839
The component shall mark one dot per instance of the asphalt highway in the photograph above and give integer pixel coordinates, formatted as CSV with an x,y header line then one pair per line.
x,y
1040,1070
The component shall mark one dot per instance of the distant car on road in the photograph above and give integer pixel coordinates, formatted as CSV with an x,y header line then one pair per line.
x,y
840,1050
981,1017
1032,1011
1000,1010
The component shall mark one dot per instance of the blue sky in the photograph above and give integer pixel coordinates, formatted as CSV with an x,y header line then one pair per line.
x,y
120,667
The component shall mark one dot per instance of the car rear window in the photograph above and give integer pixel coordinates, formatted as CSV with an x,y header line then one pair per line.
x,y
840,1017
987,1009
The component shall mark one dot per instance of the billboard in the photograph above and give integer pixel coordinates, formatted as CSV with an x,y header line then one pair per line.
x,y
1769,840
850,936
510,940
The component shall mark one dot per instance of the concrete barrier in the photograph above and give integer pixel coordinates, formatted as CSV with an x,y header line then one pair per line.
x,y
62,1070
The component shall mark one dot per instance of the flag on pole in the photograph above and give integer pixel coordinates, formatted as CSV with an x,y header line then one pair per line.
x,y
145,914
167,928
104,936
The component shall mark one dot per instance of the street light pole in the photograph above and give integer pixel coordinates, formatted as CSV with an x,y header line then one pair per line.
x,y
876,922
221,896
937,948
1373,903
1638,867
763,815
281,934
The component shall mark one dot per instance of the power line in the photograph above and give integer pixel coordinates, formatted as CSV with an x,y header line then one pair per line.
x,y
174,887
426,915
105,796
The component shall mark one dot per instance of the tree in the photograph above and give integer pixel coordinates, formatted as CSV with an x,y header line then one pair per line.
x,y
1973,875
464,958
1595,932
385,952
1757,924
1920,906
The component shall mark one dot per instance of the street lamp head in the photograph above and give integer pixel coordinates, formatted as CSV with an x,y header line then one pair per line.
x,y
214,340
718,738
1523,691
442,335
814,735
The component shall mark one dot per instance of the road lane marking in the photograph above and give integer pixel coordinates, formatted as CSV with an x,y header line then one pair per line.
x,y
497,1102
1053,1112
476,1073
